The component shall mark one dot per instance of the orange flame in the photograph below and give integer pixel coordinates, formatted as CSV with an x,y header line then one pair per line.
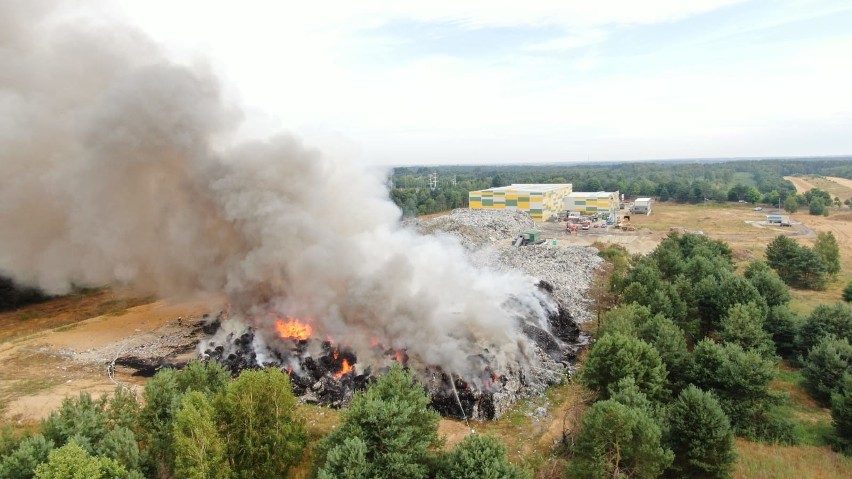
x,y
345,369
294,329
399,357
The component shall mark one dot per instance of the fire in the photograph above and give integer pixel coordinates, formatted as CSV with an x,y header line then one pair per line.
x,y
400,357
344,369
294,329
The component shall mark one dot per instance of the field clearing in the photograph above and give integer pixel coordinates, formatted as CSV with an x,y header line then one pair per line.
x,y
836,187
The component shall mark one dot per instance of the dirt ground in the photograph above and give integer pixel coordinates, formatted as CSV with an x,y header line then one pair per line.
x,y
51,356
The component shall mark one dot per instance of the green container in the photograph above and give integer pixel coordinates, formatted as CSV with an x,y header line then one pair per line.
x,y
532,235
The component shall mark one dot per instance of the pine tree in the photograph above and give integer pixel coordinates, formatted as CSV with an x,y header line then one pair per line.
x,y
616,356
392,419
618,441
841,413
744,326
825,366
700,435
479,457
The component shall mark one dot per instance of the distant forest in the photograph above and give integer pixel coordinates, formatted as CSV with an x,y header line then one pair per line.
x,y
755,181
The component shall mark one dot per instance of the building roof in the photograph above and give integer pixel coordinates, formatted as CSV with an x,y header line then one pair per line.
x,y
532,187
598,194
643,200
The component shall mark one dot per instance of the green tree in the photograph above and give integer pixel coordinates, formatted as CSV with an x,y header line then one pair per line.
x,y
21,463
767,282
618,441
120,444
668,339
753,195
699,433
264,435
347,460
825,366
616,356
841,413
740,380
791,205
825,320
73,462
199,449
479,457
829,251
393,421
847,293
798,266
162,400
817,208
744,326
783,325
208,377
81,417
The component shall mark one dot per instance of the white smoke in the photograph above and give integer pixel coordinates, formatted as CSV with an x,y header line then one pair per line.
x,y
108,176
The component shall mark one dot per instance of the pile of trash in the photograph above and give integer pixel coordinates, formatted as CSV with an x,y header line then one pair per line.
x,y
477,228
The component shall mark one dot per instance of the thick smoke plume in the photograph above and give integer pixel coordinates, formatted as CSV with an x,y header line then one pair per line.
x,y
109,176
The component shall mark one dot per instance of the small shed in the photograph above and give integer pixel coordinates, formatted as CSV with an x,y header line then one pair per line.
x,y
774,219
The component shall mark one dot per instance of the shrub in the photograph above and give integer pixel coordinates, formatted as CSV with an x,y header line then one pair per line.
x,y
73,462
847,293
82,417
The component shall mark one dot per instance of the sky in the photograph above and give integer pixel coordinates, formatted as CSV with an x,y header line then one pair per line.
x,y
495,81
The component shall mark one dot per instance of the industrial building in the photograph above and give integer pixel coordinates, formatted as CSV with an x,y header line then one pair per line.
x,y
642,206
541,201
591,203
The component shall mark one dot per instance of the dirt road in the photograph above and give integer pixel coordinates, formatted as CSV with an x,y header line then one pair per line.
x,y
801,184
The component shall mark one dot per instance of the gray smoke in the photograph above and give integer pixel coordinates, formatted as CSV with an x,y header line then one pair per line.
x,y
109,176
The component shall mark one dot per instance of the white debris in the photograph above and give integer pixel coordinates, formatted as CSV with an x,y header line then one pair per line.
x,y
477,228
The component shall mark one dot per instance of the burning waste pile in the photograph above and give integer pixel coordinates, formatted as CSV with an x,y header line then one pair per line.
x,y
326,372
127,174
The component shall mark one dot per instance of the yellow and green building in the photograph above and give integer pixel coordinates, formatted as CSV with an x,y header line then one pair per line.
x,y
541,201
591,203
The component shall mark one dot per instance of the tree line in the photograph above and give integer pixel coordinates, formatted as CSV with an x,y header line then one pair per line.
x,y
682,364
197,423
754,181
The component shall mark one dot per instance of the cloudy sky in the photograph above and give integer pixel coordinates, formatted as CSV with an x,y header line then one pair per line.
x,y
494,81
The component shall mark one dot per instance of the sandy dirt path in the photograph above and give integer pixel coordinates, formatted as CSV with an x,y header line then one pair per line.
x,y
801,184
840,181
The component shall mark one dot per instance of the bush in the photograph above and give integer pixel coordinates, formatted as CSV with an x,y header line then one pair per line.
x,y
479,457
825,366
399,432
615,357
618,441
847,293
700,435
